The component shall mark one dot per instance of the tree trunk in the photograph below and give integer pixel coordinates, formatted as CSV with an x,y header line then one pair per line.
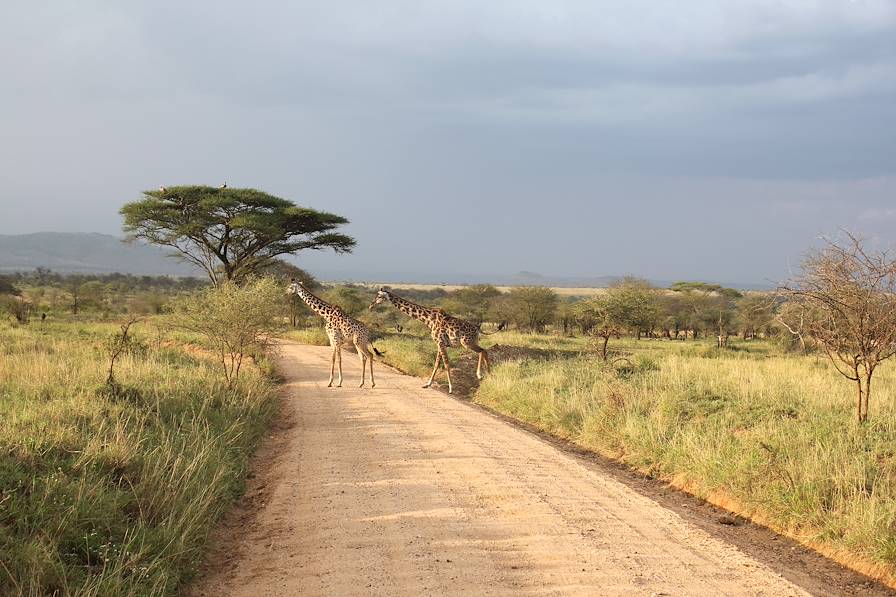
x,y
859,404
866,394
603,352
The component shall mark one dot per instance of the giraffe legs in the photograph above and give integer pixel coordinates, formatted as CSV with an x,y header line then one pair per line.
x,y
332,366
339,363
362,355
434,368
441,356
483,356
366,361
447,368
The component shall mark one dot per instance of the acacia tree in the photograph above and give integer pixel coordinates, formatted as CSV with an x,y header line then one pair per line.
x,y
230,233
283,271
755,313
636,304
472,302
845,299
708,307
531,307
605,317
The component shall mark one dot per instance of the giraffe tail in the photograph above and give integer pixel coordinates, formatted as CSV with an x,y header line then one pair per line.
x,y
375,351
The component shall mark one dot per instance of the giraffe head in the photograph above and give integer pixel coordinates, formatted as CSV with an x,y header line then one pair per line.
x,y
293,287
382,295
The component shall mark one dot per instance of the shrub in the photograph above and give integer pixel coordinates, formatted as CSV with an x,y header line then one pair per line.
x,y
235,320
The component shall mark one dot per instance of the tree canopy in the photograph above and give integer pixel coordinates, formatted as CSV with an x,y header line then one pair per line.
x,y
230,233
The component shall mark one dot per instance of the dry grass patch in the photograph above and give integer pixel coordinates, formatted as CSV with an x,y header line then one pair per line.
x,y
772,435
112,490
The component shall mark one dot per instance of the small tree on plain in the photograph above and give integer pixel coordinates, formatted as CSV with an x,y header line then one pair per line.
x,y
635,303
755,313
531,307
605,317
351,299
472,303
845,299
117,345
235,320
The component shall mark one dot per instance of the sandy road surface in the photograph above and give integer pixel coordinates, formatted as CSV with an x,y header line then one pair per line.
x,y
404,491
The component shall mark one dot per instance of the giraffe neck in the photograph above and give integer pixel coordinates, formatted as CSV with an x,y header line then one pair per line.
x,y
414,310
319,306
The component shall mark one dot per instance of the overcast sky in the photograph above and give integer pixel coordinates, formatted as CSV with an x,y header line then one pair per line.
x,y
668,139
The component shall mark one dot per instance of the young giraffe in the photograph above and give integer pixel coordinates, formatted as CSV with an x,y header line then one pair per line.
x,y
446,330
341,329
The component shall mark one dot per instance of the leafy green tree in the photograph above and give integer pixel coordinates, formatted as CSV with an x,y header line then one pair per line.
x,y
605,317
285,271
7,287
725,303
566,316
351,299
637,303
235,320
230,233
530,307
472,303
755,313
674,315
708,307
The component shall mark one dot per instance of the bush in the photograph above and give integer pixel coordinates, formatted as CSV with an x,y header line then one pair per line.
x,y
235,320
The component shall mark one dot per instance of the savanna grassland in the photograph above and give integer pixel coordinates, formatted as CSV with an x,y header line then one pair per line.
x,y
765,434
113,489
757,426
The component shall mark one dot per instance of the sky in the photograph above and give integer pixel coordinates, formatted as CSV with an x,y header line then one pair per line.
x,y
686,139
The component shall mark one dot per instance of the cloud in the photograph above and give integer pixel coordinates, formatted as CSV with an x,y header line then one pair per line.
x,y
774,115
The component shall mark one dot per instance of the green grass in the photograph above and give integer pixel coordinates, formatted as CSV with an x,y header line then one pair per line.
x,y
314,335
769,435
114,492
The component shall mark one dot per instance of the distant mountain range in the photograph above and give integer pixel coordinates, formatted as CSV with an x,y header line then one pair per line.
x,y
104,253
86,253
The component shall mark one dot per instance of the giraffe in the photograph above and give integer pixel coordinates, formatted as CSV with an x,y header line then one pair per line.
x,y
341,329
446,330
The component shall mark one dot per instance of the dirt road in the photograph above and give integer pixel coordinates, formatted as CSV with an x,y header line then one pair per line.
x,y
404,491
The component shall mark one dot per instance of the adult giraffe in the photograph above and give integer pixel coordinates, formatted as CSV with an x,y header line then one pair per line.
x,y
446,330
341,329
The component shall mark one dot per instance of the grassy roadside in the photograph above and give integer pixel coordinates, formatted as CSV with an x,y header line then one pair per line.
x,y
766,435
114,493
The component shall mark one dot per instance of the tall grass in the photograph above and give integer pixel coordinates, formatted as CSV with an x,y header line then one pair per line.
x,y
112,491
768,435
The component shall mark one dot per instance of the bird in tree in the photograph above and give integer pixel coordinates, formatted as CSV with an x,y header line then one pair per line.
x,y
230,233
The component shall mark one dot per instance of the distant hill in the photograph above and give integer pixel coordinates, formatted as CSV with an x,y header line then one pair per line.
x,y
104,253
86,253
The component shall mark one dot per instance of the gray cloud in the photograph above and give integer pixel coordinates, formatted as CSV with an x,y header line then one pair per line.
x,y
509,136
